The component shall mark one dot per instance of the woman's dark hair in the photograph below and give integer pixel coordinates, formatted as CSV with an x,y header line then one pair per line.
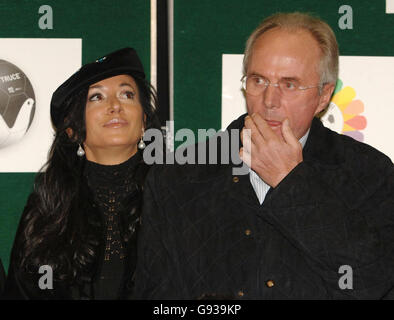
x,y
54,225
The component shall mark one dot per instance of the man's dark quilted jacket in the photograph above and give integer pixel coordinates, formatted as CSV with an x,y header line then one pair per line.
x,y
204,233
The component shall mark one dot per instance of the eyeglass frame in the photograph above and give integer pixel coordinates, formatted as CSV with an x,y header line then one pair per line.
x,y
268,83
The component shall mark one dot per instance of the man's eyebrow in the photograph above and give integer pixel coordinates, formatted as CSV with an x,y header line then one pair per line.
x,y
255,74
291,79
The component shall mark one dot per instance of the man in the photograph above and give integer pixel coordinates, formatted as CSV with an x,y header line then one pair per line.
x,y
314,218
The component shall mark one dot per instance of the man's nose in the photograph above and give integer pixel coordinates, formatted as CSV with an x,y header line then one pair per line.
x,y
271,96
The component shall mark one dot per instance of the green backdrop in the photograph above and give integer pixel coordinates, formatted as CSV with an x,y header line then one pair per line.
x,y
104,26
206,29
203,31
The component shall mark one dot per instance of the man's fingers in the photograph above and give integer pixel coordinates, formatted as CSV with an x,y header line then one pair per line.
x,y
288,134
246,137
245,157
255,135
263,127
245,134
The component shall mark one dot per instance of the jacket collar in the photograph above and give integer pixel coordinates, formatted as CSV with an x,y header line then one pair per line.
x,y
323,145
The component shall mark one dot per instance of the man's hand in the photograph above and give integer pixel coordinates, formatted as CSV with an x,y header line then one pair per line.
x,y
272,157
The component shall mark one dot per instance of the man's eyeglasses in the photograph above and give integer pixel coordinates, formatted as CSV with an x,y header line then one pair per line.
x,y
255,85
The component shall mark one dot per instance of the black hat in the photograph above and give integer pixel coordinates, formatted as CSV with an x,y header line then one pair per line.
x,y
123,61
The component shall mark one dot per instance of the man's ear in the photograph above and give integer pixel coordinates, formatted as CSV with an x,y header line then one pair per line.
x,y
325,97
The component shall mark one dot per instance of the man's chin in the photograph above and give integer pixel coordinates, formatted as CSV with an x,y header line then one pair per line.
x,y
277,129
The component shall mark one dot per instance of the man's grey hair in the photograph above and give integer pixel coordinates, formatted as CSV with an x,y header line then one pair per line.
x,y
320,31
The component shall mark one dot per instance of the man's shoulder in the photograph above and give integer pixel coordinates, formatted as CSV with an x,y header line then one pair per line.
x,y
237,123
368,166
362,154
345,162
333,148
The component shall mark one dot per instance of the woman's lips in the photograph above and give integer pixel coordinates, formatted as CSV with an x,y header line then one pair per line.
x,y
115,123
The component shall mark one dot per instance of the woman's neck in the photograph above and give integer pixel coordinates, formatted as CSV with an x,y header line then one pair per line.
x,y
99,175
110,156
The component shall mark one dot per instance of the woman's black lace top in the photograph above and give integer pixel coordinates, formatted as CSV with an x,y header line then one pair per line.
x,y
110,186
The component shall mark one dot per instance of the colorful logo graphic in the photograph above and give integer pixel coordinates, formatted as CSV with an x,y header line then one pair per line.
x,y
344,113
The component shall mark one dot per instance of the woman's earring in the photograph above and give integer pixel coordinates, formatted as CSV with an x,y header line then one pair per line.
x,y
141,144
80,152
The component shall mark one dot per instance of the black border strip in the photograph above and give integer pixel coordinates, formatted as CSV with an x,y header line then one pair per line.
x,y
163,91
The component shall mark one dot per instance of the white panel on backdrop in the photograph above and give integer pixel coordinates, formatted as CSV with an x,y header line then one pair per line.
x,y
389,6
46,63
233,102
362,106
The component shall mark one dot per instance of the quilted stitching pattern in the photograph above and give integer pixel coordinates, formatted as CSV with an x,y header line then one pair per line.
x,y
329,211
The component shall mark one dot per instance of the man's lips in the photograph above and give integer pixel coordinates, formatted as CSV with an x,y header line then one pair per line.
x,y
273,123
115,123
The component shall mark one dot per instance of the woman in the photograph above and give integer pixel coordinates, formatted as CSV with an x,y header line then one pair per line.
x,y
82,217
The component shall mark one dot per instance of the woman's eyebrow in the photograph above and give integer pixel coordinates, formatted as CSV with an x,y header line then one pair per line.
x,y
124,84
95,86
